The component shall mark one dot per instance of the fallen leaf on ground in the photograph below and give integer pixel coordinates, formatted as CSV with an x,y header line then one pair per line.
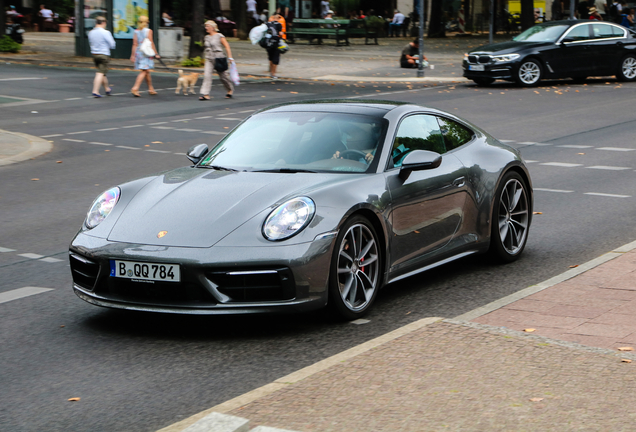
x,y
156,142
536,399
626,360
537,212
529,330
58,161
581,153
35,179
294,92
147,145
574,266
73,399
626,349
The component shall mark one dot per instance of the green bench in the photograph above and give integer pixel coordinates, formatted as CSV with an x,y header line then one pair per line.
x,y
358,29
319,29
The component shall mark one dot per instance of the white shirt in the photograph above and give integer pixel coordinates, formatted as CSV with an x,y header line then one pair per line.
x,y
101,41
324,6
46,13
251,5
398,18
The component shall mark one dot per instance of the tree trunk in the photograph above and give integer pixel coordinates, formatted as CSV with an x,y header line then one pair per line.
x,y
2,19
239,7
196,33
436,26
527,14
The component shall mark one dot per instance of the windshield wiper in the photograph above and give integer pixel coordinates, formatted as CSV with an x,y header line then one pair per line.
x,y
286,170
218,167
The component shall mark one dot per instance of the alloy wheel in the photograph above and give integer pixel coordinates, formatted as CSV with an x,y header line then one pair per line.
x,y
529,73
358,267
629,68
513,216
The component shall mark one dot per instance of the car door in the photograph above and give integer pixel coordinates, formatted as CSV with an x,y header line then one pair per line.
x,y
427,207
607,47
570,57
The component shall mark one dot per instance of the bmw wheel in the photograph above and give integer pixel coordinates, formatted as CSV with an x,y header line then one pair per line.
x,y
529,73
355,269
627,70
510,219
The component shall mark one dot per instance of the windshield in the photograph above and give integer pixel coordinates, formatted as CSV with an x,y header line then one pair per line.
x,y
542,33
301,142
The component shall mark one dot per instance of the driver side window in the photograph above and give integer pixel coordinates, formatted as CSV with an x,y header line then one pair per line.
x,y
416,132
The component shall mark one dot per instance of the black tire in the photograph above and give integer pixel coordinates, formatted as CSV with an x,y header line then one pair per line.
x,y
511,217
483,81
627,68
348,275
529,73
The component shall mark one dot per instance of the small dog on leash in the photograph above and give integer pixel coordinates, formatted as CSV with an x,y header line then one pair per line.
x,y
186,80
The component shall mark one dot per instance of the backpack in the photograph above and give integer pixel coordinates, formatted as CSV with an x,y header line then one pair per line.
x,y
270,38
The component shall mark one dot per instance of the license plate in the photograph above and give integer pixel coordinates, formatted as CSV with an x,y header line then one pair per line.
x,y
476,67
142,271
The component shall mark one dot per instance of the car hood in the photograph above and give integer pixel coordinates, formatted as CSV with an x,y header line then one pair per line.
x,y
195,207
509,47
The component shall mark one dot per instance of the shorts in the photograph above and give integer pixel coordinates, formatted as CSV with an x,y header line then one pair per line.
x,y
101,62
273,55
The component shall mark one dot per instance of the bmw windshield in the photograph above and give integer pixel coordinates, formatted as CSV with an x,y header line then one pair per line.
x,y
542,33
289,142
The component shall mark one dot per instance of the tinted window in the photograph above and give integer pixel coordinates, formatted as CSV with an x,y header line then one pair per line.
x,y
417,132
455,135
618,32
579,33
542,33
602,31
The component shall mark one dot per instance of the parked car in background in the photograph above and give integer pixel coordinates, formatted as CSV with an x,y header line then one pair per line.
x,y
558,49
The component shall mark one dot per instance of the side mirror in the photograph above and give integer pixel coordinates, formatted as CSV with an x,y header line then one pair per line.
x,y
196,152
419,160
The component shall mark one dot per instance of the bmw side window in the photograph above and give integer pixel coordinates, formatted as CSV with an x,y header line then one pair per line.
x,y
579,33
618,32
455,134
416,132
602,31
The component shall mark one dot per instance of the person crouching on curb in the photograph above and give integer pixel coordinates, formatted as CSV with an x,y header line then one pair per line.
x,y
214,42
101,42
143,63
410,55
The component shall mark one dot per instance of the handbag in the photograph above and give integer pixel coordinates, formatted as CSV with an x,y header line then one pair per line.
x,y
220,64
146,48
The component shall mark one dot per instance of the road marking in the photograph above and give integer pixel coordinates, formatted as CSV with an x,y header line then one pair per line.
x,y
107,129
189,130
21,293
610,168
182,120
531,161
31,255
129,127
542,144
154,124
20,79
77,133
158,151
527,143
102,144
561,164
5,250
214,133
506,141
553,190
73,98
246,111
163,127
180,154
618,149
129,148
50,260
51,136
574,146
204,117
607,195
229,118
72,140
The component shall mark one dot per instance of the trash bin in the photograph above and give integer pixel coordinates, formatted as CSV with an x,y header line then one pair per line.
x,y
171,43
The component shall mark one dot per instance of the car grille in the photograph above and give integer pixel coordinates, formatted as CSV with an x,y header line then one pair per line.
x,y
479,59
157,293
255,285
84,271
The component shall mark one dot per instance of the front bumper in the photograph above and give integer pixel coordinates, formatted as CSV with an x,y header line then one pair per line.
x,y
217,280
491,70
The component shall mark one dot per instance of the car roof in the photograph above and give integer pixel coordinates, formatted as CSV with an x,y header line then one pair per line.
x,y
345,106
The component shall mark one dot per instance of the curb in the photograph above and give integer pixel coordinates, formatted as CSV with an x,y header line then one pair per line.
x,y
299,375
38,147
504,301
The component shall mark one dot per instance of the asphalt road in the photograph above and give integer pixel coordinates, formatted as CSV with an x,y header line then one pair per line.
x,y
141,372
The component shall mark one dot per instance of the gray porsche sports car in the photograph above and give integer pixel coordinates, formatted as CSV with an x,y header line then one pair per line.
x,y
305,205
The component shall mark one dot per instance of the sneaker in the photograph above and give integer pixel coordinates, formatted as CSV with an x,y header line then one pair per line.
x,y
274,77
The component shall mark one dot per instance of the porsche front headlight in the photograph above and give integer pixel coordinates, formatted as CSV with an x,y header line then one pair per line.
x,y
289,218
505,58
102,207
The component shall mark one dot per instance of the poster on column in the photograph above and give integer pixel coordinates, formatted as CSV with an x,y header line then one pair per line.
x,y
126,13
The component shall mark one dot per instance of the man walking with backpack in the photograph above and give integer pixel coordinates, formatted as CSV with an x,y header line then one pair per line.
x,y
616,12
270,43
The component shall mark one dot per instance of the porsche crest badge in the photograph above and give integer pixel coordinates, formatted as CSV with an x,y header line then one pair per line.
x,y
161,234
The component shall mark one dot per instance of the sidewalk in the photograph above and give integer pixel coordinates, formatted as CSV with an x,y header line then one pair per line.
x,y
478,372
357,62
17,147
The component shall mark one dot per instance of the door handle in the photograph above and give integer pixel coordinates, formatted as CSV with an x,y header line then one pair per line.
x,y
459,182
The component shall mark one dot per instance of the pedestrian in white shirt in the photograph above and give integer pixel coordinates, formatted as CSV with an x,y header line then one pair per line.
x,y
396,23
324,8
101,42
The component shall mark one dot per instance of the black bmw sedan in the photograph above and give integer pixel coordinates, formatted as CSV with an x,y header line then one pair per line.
x,y
557,49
